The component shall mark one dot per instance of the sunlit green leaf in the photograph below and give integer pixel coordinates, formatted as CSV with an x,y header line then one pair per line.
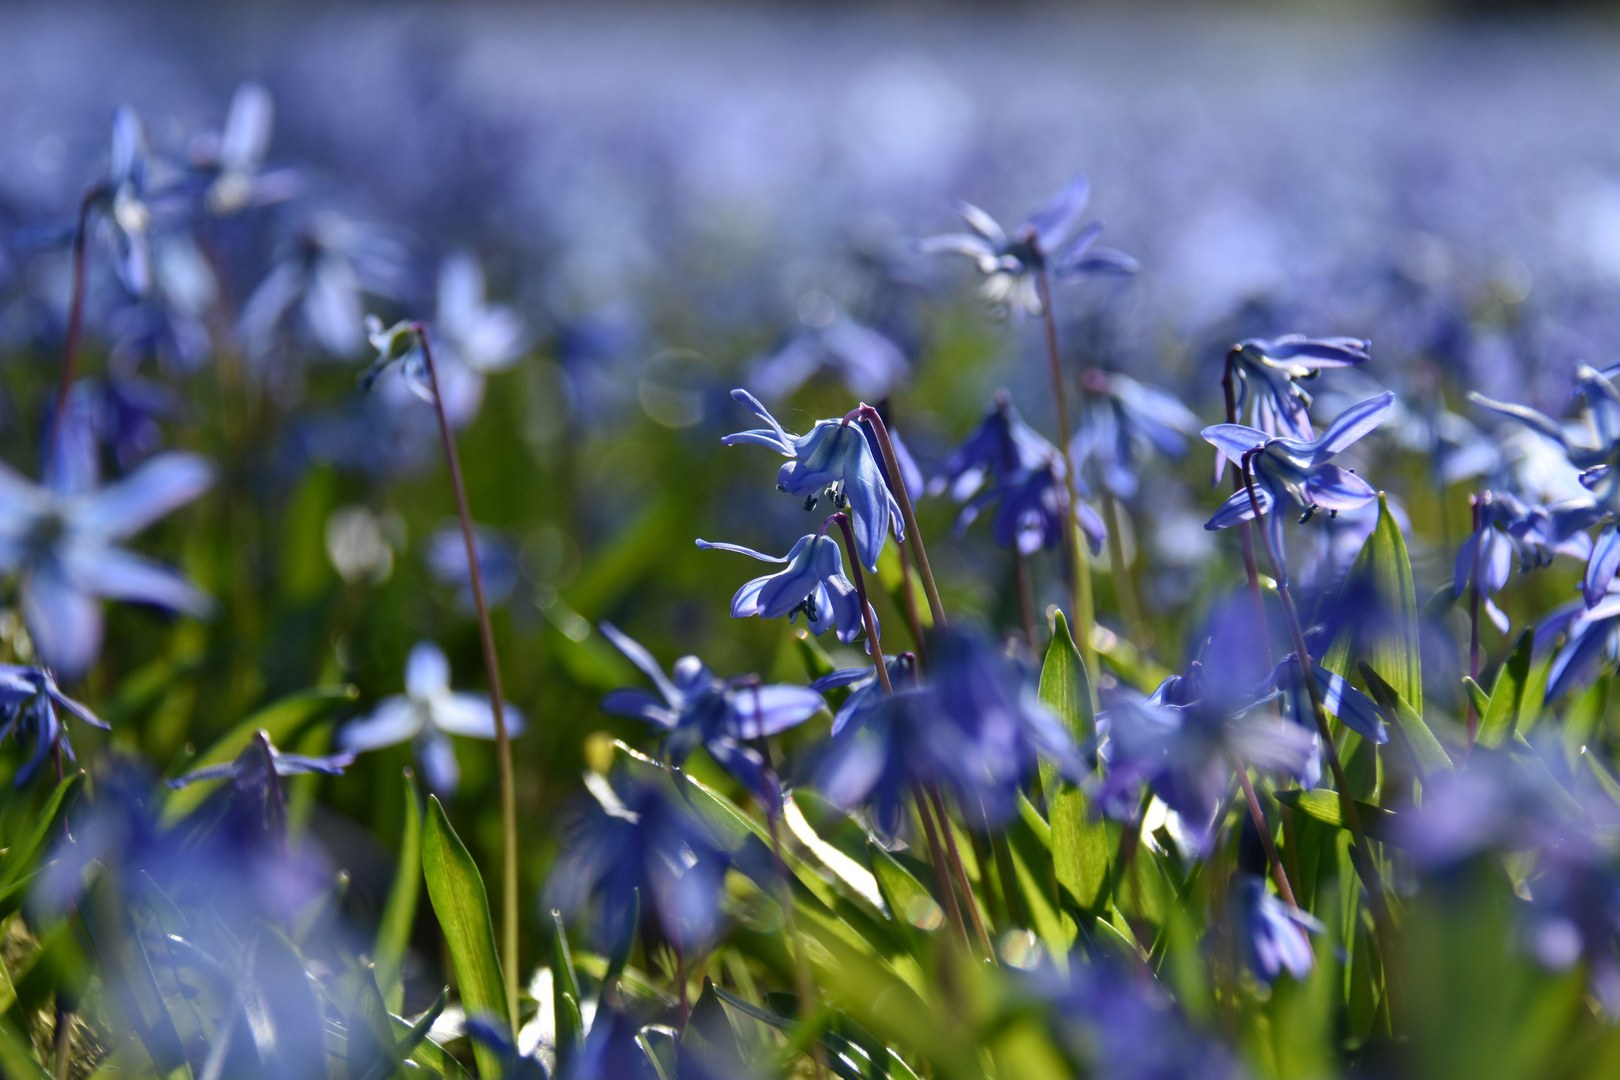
x,y
1079,844
1429,756
399,913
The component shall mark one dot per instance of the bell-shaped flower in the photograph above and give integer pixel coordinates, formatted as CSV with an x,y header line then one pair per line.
x,y
128,216
1508,527
1046,238
1001,447
1269,373
63,547
640,842
828,339
1274,936
812,581
31,702
283,764
696,708
1123,424
836,461
1291,470
429,712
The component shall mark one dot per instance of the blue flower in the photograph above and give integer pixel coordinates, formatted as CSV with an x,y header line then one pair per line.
x,y
1274,936
1046,238
828,339
1123,423
30,701
1508,527
446,558
234,159
429,712
812,581
866,692
1269,373
696,708
1293,470
123,197
639,839
249,765
1026,480
836,461
63,546
468,329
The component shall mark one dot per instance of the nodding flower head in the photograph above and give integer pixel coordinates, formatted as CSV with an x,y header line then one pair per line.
x,y
834,461
1046,240
1292,470
812,582
1124,424
1269,372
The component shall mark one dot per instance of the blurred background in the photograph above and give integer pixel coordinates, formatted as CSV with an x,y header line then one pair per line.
x,y
665,195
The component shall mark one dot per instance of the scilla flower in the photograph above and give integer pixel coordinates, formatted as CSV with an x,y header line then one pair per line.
x,y
1009,262
63,547
249,762
1294,470
236,155
813,582
834,460
1269,373
828,339
429,712
30,701
1123,424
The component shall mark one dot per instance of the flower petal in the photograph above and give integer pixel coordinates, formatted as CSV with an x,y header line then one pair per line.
x,y
64,621
740,550
981,223
1234,440
768,710
1601,567
1536,421
1238,507
470,714
1352,424
639,656
1054,222
437,756
639,704
122,575
394,720
161,485
1333,488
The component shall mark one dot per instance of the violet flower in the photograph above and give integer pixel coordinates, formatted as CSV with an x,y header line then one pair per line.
x,y
812,582
30,701
828,339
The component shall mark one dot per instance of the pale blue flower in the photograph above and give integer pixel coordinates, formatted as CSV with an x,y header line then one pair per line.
x,y
834,460
812,581
828,339
429,712
63,547
235,157
30,701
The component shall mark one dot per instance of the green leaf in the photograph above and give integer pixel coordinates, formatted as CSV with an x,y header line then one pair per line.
x,y
1427,753
1477,697
370,1051
569,1028
456,891
1381,580
1323,805
1501,719
17,1056
288,1008
909,899
19,860
399,913
710,1037
424,1051
1079,844
280,719
125,965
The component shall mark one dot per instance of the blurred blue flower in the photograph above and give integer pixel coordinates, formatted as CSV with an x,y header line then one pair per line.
x,y
233,160
1122,424
1508,527
639,839
63,547
1293,470
833,460
812,581
867,362
1026,479
1274,936
127,219
446,558
30,704
248,764
1047,237
429,712
696,708
866,692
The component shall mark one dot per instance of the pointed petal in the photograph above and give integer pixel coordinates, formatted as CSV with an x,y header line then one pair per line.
x,y
437,756
1238,508
974,247
1537,422
1601,567
161,485
740,550
1234,440
1333,488
1058,218
122,575
768,710
427,670
981,223
64,621
784,441
1352,424
394,720
639,704
471,715
1354,709
638,655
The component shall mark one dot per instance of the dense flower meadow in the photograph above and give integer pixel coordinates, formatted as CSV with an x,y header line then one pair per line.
x,y
400,676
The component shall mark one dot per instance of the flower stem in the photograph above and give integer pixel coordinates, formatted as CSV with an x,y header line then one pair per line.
x,y
1229,389
908,600
953,910
1079,558
75,326
1473,620
1026,598
1361,852
959,871
492,673
907,512
1130,604
1284,889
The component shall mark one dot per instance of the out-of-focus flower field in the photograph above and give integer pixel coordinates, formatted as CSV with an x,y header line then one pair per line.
x,y
740,542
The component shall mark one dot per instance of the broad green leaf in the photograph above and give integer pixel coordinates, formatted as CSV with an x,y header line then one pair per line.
x,y
1477,697
1427,753
17,1055
1323,805
1533,702
1079,844
710,1036
1507,696
19,860
424,1051
399,913
909,899
280,719
1032,818
1380,583
456,891
569,1028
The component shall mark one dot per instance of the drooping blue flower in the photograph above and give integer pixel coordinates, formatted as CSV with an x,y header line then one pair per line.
x,y
696,708
63,547
1298,471
446,558
1123,423
1274,936
866,692
233,160
812,582
1508,527
127,219
31,704
428,713
828,339
1047,237
284,764
1591,638
1025,474
1269,373
640,840
836,461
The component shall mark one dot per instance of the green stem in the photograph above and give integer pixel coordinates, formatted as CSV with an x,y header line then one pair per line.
x,y
492,673
1124,584
907,512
